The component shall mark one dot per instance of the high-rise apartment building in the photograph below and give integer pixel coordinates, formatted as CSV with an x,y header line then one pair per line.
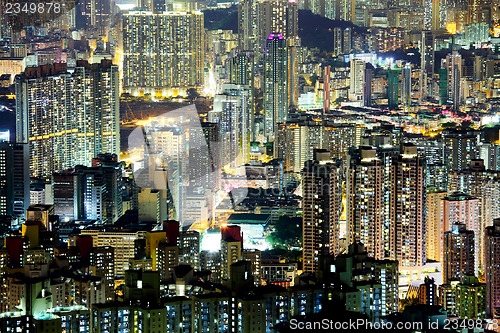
x,y
406,87
102,261
357,79
364,196
436,15
490,154
258,19
248,38
435,228
167,58
346,10
166,257
93,14
326,8
255,258
275,83
278,16
207,136
492,268
377,277
460,149
121,240
230,253
90,193
426,63
407,207
393,88
367,88
453,65
459,253
461,208
338,41
189,248
233,112
322,202
470,297
296,140
14,179
295,143
77,120
242,69
482,184
387,39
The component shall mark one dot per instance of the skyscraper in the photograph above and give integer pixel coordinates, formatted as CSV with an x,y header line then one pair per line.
x,y
492,268
233,112
258,19
275,83
365,172
322,201
77,120
378,276
426,63
231,249
293,77
65,195
407,206
338,41
291,140
435,228
367,87
406,86
453,65
93,14
460,149
393,88
14,179
436,18
278,16
326,89
346,10
189,248
461,208
459,256
357,79
167,58
483,184
471,298
89,193
142,67
248,37
242,69
99,104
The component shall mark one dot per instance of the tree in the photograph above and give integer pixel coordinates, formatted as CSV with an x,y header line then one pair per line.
x,y
192,94
287,232
408,302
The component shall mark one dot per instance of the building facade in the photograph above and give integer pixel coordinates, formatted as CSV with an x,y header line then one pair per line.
x,y
166,59
67,119
322,200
